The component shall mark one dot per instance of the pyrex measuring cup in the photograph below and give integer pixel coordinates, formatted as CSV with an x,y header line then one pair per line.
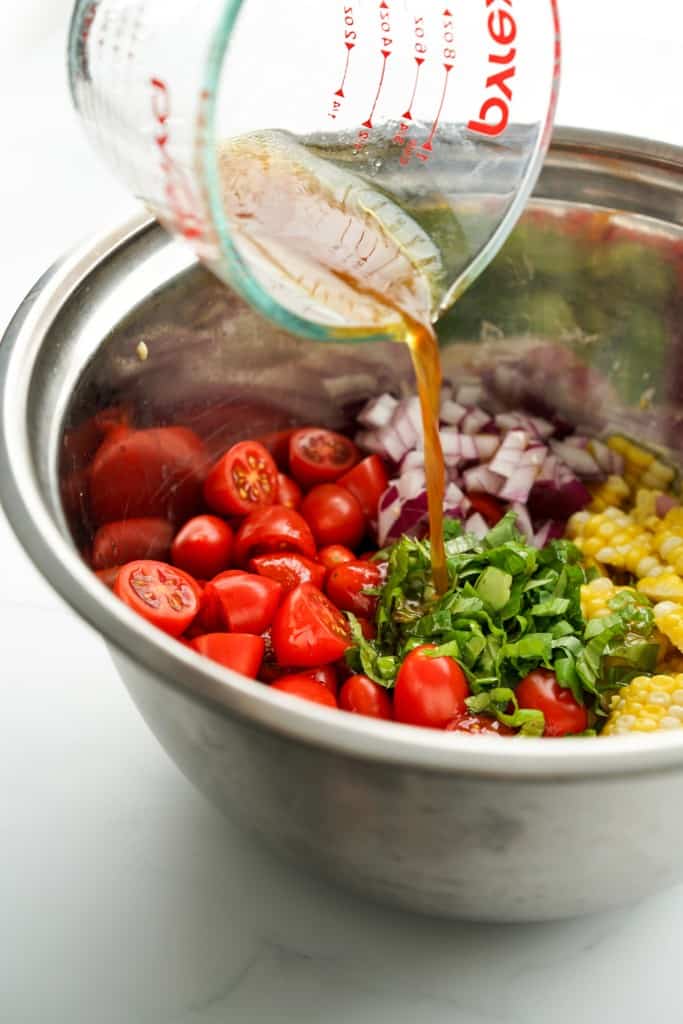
x,y
294,145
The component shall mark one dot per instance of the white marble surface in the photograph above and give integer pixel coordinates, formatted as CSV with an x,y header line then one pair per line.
x,y
123,896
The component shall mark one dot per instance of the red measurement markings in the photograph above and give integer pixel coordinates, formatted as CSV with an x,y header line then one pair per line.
x,y
420,50
448,54
350,40
177,189
386,49
502,29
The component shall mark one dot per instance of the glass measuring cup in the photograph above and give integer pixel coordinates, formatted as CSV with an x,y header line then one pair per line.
x,y
298,147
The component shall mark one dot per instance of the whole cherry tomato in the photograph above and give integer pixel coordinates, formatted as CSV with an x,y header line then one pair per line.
x,y
247,601
273,529
308,630
368,628
131,539
334,555
361,695
541,690
326,675
155,472
367,482
289,493
242,652
478,725
429,691
203,546
288,568
334,515
108,576
243,479
277,443
165,596
319,456
303,686
346,585
490,508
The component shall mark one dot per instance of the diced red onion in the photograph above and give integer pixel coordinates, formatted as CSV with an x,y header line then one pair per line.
x,y
542,535
412,460
411,483
452,413
414,413
523,521
579,460
393,446
411,516
518,484
403,426
487,445
477,525
469,394
481,478
506,458
378,411
453,495
474,421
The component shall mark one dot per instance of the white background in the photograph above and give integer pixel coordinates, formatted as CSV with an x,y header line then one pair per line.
x,y
123,896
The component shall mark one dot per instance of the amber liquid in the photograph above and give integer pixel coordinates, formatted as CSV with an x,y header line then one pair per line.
x,y
328,245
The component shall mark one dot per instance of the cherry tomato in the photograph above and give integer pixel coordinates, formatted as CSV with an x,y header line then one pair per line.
x,y
131,539
277,443
429,691
326,675
203,546
334,555
165,596
247,602
318,456
288,491
242,652
541,690
243,479
273,529
308,630
111,418
289,569
490,508
361,695
155,472
478,725
334,515
345,586
368,628
108,576
304,686
367,482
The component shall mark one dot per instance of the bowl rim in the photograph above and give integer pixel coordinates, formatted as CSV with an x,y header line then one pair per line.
x,y
174,665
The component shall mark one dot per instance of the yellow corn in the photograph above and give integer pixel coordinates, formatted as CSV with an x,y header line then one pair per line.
x,y
612,538
669,621
641,467
613,491
667,586
596,595
647,704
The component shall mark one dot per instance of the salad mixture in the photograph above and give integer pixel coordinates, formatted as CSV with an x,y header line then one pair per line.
x,y
302,560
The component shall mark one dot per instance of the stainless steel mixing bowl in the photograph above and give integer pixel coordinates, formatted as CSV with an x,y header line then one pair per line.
x,y
475,828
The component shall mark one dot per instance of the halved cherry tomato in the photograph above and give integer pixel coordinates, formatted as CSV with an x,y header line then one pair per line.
x,y
334,555
277,443
131,539
155,472
541,690
490,508
304,686
288,568
165,596
242,652
319,456
429,691
203,546
368,628
367,482
361,695
289,493
334,515
273,529
478,725
308,630
108,576
243,479
345,586
247,602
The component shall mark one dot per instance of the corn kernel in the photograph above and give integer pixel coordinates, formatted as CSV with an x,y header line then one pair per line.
x,y
647,705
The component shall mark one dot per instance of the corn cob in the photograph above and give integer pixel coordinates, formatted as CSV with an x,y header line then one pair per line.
x,y
669,621
612,538
647,704
596,595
